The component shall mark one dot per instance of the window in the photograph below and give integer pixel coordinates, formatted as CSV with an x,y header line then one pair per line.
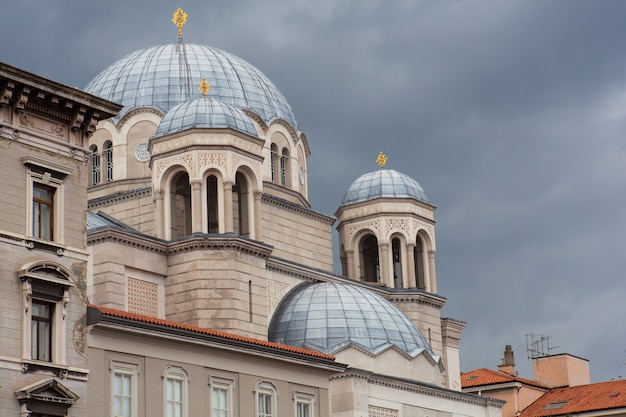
x,y
175,395
123,391
45,291
220,400
44,199
273,158
304,405
284,159
107,153
265,404
212,204
265,400
43,214
41,331
95,165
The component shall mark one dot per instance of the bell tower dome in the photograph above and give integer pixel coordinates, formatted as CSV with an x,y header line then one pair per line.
x,y
387,231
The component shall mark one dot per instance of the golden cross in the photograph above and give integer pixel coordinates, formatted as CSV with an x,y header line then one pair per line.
x,y
204,86
179,18
381,160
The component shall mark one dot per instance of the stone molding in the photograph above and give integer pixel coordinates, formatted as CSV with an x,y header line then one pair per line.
x,y
415,387
287,205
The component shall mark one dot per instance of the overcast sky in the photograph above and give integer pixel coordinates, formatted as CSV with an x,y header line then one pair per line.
x,y
510,114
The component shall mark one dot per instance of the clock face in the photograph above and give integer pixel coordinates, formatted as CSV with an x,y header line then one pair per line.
x,y
301,175
141,152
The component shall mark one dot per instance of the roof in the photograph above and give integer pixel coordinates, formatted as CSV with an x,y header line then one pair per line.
x,y
383,183
111,312
579,399
330,316
205,112
166,75
483,376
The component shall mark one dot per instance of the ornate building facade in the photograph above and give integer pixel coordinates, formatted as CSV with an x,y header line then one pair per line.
x,y
208,275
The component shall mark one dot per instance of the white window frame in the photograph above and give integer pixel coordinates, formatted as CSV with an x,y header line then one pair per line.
x,y
265,388
51,175
304,399
126,369
56,279
226,385
175,373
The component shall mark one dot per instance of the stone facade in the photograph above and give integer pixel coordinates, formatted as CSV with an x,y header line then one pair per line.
x,y
44,128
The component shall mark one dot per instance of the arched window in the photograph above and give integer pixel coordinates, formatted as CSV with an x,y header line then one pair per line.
x,y
212,204
396,251
175,392
94,161
107,154
241,209
274,161
284,171
419,264
180,204
370,267
266,394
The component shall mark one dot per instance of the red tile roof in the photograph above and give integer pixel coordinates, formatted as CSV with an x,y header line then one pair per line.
x,y
579,399
106,311
483,376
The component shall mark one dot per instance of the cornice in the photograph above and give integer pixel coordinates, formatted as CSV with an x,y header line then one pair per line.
x,y
118,197
416,387
418,296
287,205
188,244
199,147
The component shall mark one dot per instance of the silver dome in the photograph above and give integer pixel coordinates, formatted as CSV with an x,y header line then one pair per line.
x,y
205,112
163,76
330,316
383,183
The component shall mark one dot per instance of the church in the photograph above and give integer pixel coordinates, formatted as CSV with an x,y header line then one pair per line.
x,y
166,259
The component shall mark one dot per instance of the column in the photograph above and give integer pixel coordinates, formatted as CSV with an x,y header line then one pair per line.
x,y
256,217
432,276
386,274
228,207
196,205
411,278
159,215
350,264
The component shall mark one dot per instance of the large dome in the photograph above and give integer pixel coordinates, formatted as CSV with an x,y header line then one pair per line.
x,y
167,75
383,183
330,316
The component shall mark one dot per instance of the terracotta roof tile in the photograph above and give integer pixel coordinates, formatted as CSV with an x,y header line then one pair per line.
x,y
579,399
483,376
176,325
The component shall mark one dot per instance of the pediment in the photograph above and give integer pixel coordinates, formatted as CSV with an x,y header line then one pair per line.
x,y
47,391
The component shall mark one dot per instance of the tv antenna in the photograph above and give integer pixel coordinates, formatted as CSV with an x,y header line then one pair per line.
x,y
538,345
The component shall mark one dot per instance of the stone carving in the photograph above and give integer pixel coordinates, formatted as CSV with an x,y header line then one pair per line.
x,y
275,290
375,411
397,224
205,159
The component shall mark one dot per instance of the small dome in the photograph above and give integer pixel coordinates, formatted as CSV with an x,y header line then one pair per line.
x,y
205,112
383,183
330,316
166,75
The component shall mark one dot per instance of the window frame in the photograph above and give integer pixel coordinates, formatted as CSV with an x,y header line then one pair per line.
x,y
304,398
264,388
130,370
48,175
226,385
45,283
174,373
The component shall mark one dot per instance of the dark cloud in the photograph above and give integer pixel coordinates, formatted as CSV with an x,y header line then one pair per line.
x,y
510,114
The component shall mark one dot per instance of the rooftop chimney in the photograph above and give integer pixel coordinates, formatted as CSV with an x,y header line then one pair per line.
x,y
508,362
562,370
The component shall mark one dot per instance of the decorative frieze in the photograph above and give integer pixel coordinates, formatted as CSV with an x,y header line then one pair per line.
x,y
375,411
275,292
